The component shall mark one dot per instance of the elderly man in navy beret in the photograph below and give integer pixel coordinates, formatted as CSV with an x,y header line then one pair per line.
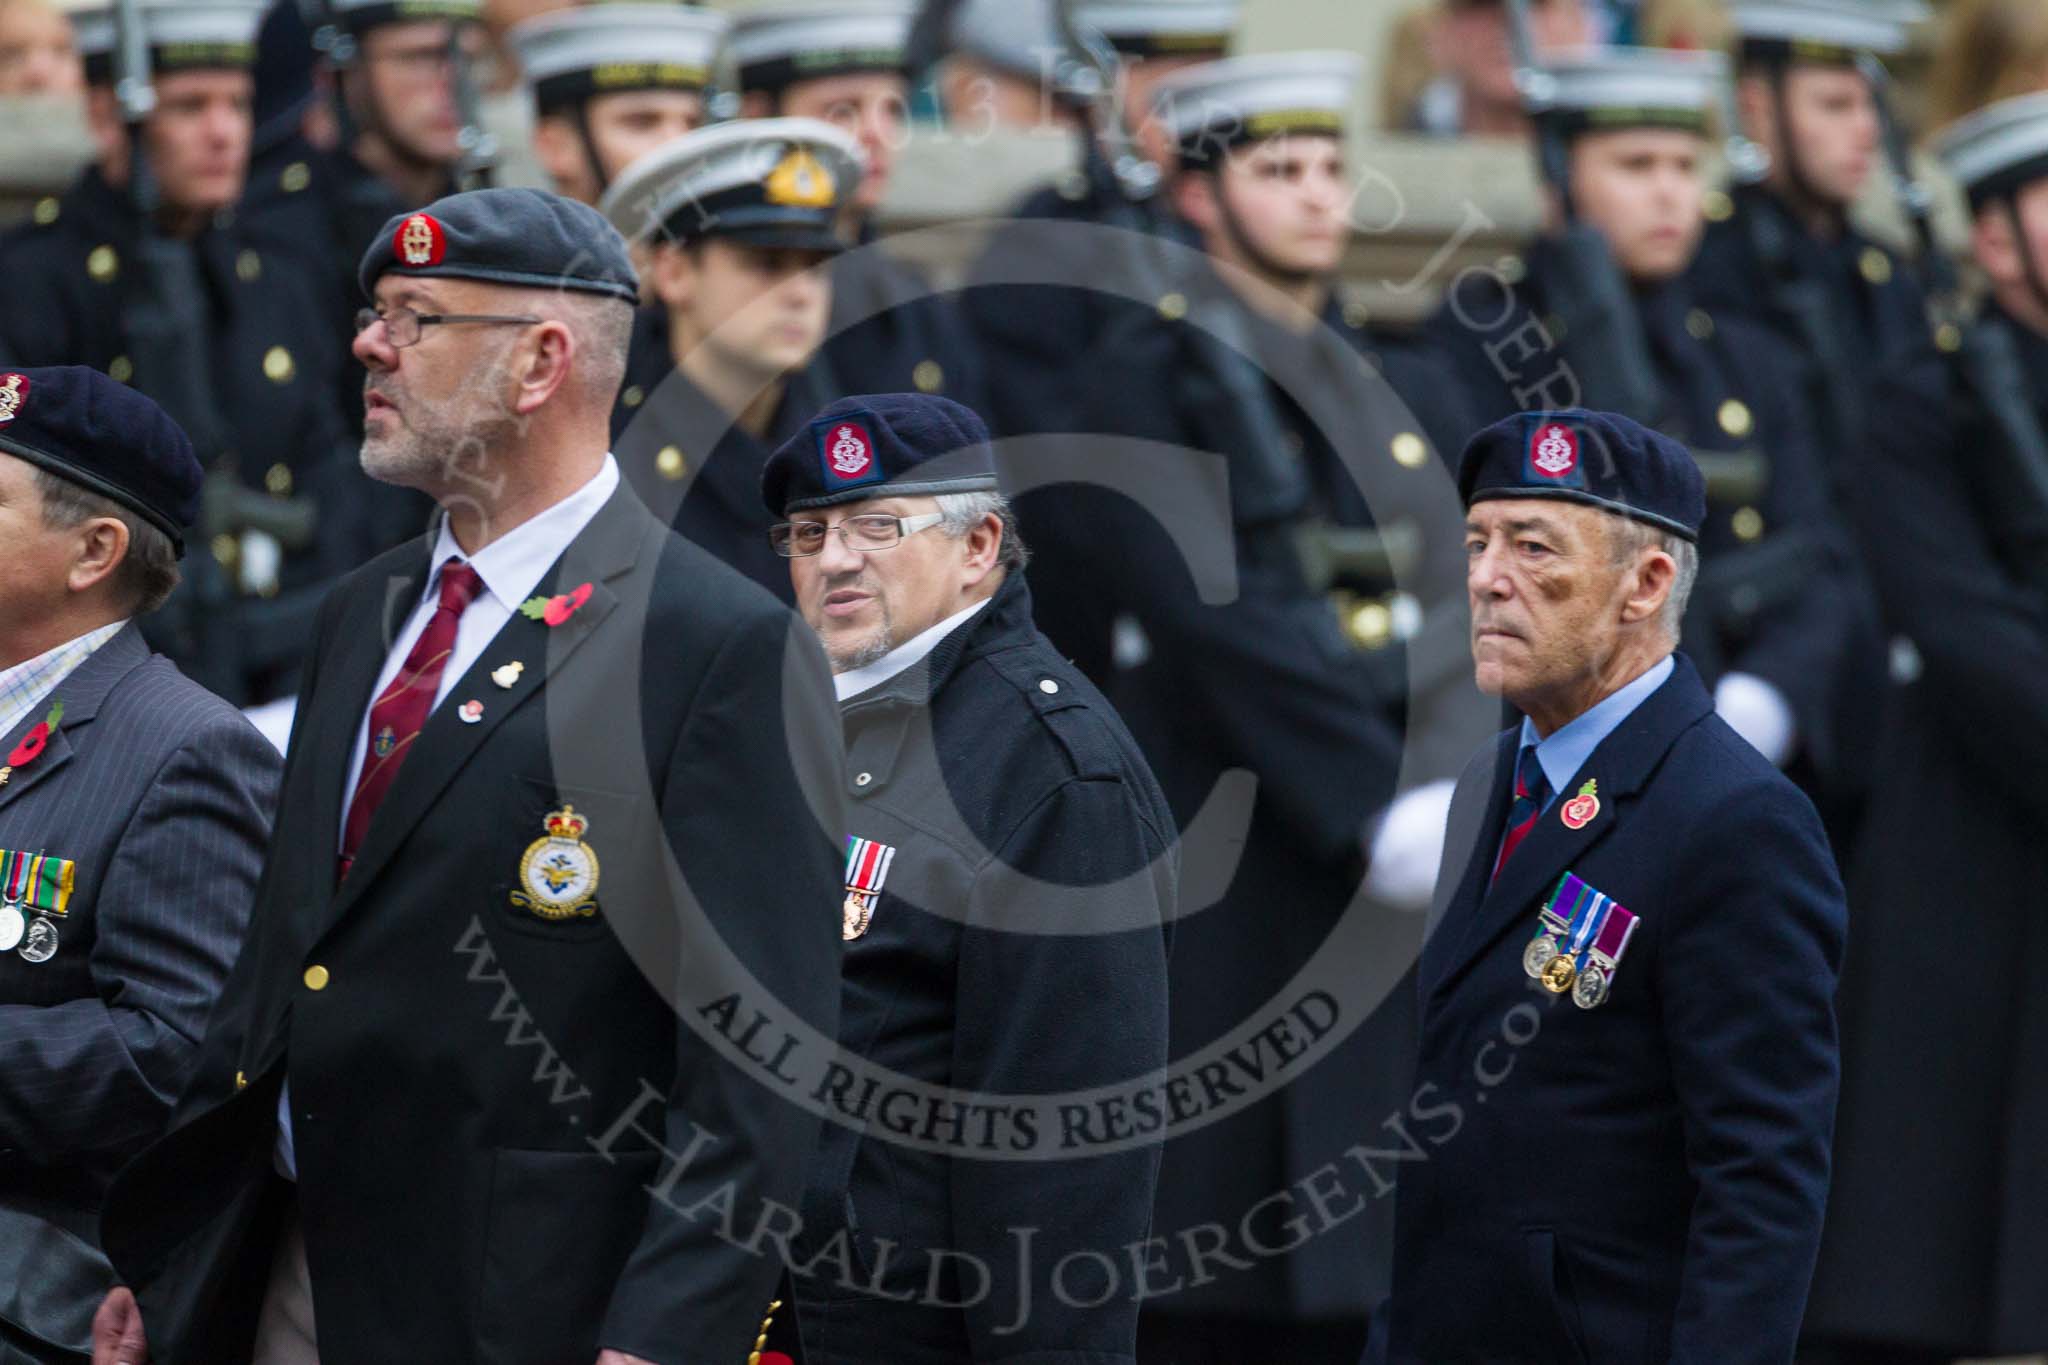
x,y
454,1104
1628,1053
1010,876
133,810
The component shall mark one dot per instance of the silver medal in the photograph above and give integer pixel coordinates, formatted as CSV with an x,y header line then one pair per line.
x,y
41,944
1590,990
1541,949
13,924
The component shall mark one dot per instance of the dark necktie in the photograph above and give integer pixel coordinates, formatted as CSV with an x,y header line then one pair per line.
x,y
397,716
1532,789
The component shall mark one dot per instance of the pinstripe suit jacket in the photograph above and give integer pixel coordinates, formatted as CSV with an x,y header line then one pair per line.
x,y
162,796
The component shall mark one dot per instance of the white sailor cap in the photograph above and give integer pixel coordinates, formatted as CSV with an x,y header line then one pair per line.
x,y
1216,106
1164,28
1997,149
775,46
184,35
1632,87
359,16
1021,37
774,182
569,55
1825,32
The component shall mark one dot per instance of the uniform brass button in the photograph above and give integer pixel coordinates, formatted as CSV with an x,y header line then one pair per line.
x,y
226,550
1511,269
120,369
929,376
670,462
278,365
102,263
47,211
1356,314
863,779
1048,686
1875,265
1948,338
1410,450
1700,324
296,177
1734,417
278,479
1717,206
1173,307
248,266
634,396
241,1081
317,978
1747,523
1371,625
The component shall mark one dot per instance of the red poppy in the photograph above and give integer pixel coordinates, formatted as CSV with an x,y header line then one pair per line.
x,y
562,608
31,744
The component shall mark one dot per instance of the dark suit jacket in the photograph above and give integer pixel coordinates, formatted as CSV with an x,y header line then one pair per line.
x,y
161,795
972,976
1643,1181
481,1097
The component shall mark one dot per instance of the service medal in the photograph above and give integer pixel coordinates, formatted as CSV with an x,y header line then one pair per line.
x,y
41,943
32,882
1537,955
1604,958
1591,987
13,924
867,866
558,872
1559,916
1558,974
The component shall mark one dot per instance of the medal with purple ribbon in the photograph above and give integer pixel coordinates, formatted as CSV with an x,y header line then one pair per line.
x,y
1596,974
1589,916
1567,900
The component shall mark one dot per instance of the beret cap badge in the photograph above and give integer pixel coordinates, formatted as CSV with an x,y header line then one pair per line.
x,y
13,393
421,241
1554,449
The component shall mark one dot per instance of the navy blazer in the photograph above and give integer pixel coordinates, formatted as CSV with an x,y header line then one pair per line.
x,y
1643,1181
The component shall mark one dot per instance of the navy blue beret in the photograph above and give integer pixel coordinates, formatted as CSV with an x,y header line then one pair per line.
x,y
106,438
884,445
505,236
1600,459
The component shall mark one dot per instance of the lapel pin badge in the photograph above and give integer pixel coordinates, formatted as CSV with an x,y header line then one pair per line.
x,y
471,712
507,675
1578,812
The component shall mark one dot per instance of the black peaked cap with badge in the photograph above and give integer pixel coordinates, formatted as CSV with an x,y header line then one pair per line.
x,y
885,445
531,238
1596,459
105,437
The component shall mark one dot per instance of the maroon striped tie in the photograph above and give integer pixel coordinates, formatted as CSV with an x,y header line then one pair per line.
x,y
1532,789
397,716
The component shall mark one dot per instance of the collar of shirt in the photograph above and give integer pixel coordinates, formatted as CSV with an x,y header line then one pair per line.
x,y
1566,751
27,683
856,681
513,565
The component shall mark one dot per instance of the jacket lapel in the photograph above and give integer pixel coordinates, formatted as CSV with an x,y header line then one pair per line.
x,y
1621,764
605,550
82,690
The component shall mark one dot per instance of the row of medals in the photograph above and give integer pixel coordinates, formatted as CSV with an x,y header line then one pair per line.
x,y
1546,961
37,938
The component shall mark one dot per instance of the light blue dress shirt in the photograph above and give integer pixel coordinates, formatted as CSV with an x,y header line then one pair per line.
x,y
1566,751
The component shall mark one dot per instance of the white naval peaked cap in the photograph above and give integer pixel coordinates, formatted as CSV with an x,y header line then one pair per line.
x,y
1827,30
771,181
1630,87
1246,99
182,34
1163,28
776,45
568,55
1999,148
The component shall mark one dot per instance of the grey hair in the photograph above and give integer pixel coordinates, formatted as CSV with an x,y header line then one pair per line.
x,y
965,511
148,572
1632,537
603,329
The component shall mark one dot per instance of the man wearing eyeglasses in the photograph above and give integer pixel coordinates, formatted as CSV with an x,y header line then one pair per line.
x,y
457,1101
1011,874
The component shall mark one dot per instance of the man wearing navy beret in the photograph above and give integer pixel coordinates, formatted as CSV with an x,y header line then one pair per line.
x,y
1628,1052
452,1105
134,806
1010,874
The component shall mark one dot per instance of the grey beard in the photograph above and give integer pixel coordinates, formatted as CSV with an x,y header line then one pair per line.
x,y
877,645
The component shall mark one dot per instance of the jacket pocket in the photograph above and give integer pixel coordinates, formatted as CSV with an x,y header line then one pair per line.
x,y
1550,1283
558,1232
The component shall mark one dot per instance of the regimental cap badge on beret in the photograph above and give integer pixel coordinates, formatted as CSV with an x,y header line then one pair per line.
x,y
1554,451
846,450
421,241
880,445
1598,459
13,395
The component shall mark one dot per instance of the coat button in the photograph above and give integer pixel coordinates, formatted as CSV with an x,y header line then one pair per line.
x,y
296,177
863,779
278,365
316,978
929,376
1173,307
670,462
634,396
241,1081
1734,418
102,264
1048,686
1410,451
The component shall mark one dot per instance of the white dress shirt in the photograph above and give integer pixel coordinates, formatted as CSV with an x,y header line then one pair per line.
x,y
855,681
511,568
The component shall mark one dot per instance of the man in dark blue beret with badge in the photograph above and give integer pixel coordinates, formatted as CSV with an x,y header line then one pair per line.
x,y
453,1104
1628,1049
1011,871
134,806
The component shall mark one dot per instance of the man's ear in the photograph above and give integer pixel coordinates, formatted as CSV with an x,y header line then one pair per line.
x,y
1655,573
109,133
1195,200
100,544
1993,244
557,148
1754,106
547,360
984,547
674,276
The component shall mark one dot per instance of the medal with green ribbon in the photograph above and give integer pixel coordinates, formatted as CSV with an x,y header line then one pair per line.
x,y
39,884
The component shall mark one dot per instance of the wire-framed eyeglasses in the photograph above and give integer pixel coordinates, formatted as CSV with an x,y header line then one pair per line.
x,y
403,327
866,533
